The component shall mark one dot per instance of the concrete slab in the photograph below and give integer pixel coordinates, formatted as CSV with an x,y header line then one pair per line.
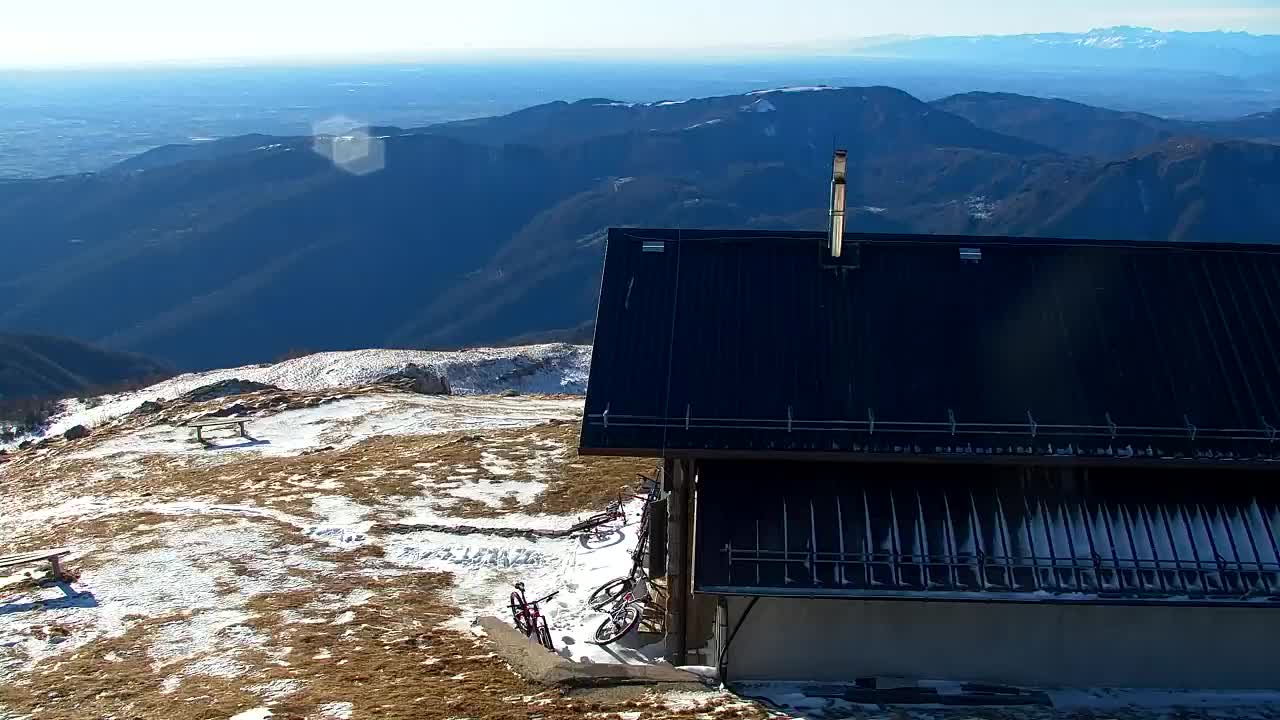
x,y
536,664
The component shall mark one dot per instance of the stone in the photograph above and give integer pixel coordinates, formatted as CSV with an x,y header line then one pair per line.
x,y
226,388
233,410
79,432
418,379
24,444
149,406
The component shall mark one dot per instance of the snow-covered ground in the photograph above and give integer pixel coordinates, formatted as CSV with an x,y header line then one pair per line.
x,y
331,565
200,567
548,369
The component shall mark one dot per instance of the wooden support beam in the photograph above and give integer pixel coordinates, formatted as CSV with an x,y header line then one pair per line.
x,y
678,558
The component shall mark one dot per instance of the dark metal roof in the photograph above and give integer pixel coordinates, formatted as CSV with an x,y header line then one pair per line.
x,y
929,532
1001,349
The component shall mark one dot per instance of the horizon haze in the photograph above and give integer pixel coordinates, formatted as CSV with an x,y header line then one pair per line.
x,y
80,33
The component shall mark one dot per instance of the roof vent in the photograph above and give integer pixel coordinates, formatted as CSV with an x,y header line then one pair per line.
x,y
835,239
653,246
970,255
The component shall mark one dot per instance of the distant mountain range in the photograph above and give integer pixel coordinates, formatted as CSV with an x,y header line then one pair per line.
x,y
490,230
1089,131
1234,53
41,366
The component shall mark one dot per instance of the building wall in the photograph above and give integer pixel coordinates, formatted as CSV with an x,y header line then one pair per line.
x,y
1021,644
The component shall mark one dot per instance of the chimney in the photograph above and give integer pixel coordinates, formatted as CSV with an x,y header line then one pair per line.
x,y
835,239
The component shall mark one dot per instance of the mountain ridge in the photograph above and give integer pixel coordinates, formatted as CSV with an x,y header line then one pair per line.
x,y
1085,130
1235,53
489,230
40,365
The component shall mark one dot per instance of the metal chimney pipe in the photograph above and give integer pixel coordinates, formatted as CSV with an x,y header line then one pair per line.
x,y
836,233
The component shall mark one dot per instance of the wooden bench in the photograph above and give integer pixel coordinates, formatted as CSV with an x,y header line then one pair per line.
x,y
53,556
202,423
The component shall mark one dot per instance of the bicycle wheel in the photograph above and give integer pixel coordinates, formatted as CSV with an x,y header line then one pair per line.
x,y
520,614
544,635
592,522
604,595
619,623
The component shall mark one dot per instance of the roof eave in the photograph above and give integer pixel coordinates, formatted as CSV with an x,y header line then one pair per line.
x,y
934,459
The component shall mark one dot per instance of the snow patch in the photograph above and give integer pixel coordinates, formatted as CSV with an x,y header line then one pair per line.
x,y
343,423
276,689
335,711
979,207
554,368
761,106
794,89
260,713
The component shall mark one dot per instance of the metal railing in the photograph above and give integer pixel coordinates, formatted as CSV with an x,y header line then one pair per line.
x,y
988,540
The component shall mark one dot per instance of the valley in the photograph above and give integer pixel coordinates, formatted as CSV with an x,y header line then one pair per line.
x,y
490,230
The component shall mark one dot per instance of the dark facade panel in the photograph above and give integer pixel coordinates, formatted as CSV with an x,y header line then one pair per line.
x,y
884,531
950,346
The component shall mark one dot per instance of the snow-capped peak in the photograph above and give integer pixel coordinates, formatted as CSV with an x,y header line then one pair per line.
x,y
793,89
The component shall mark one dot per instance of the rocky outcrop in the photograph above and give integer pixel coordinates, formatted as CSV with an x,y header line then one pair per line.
x,y
225,388
78,432
418,379
148,407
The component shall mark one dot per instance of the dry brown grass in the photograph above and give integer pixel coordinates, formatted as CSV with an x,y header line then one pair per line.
x,y
86,531
398,466
577,483
391,661
114,677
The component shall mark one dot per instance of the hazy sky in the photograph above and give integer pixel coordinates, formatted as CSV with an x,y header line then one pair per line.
x,y
74,32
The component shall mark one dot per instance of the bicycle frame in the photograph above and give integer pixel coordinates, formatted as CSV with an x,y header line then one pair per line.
x,y
528,616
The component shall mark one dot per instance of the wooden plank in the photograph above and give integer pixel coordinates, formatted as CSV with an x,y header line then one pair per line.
x,y
211,422
33,557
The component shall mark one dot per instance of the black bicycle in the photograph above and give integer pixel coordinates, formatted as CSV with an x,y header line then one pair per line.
x,y
623,615
529,618
596,526
604,596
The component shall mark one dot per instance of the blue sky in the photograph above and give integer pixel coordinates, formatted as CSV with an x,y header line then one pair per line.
x,y
79,32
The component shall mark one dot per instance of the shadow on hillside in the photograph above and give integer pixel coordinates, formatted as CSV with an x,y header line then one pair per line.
x,y
72,598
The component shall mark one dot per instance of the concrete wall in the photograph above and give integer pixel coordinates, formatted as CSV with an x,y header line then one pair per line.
x,y
1021,644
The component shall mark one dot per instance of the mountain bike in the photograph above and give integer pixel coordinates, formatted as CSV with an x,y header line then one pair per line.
x,y
529,618
623,614
595,525
605,595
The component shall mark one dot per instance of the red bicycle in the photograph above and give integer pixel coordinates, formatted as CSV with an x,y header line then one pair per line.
x,y
529,619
